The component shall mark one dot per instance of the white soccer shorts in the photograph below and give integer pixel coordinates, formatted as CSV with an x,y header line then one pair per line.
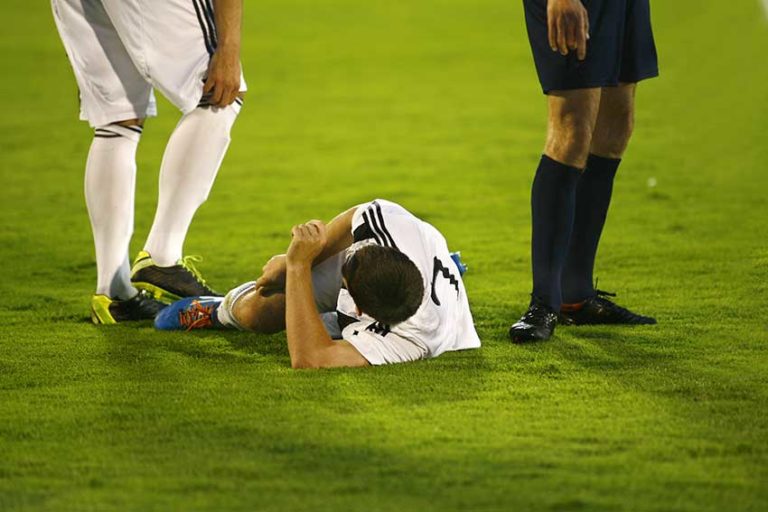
x,y
121,49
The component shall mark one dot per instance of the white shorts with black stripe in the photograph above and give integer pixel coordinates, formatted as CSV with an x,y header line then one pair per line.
x,y
121,49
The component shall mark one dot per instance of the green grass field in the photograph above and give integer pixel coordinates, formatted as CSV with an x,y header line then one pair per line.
x,y
433,104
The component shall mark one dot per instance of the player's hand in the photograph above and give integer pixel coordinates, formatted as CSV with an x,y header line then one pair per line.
x,y
568,24
308,242
223,82
272,278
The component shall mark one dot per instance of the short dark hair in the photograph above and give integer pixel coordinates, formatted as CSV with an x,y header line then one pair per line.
x,y
384,283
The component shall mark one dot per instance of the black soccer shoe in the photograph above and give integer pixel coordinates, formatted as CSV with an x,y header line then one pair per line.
x,y
598,310
537,324
141,306
169,284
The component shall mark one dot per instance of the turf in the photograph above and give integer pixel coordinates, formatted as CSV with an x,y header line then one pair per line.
x,y
433,104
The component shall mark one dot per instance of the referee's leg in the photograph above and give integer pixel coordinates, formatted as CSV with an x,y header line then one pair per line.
x,y
613,129
572,118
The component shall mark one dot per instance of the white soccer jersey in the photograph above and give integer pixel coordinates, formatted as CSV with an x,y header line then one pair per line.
x,y
121,49
442,323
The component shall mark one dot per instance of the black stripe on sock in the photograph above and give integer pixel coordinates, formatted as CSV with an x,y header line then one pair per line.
x,y
203,26
137,129
105,136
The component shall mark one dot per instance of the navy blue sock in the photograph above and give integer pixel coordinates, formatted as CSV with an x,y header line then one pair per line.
x,y
552,202
593,196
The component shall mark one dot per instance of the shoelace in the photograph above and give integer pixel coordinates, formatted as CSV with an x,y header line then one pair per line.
x,y
612,306
196,316
188,262
536,312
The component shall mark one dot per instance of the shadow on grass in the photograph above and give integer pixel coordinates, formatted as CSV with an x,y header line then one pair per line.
x,y
685,385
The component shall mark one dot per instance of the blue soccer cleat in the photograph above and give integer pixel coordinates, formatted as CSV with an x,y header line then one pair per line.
x,y
456,257
190,313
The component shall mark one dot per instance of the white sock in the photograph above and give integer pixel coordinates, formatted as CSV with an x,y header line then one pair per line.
x,y
225,311
190,163
110,177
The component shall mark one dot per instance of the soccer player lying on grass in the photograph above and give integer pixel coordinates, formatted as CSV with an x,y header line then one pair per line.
x,y
376,285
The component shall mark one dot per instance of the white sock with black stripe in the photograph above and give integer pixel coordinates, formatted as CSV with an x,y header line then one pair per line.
x,y
190,163
110,177
225,312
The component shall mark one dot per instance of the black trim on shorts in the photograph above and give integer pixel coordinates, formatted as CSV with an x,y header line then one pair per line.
x,y
106,134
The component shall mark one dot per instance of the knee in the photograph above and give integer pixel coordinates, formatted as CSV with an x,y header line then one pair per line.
x,y
623,123
611,138
262,317
569,139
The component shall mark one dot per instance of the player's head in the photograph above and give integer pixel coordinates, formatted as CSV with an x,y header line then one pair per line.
x,y
384,283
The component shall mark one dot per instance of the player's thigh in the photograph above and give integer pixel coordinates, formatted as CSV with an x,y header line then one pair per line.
x,y
617,102
175,39
111,87
601,66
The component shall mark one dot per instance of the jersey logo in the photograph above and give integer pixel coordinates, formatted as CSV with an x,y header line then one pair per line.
x,y
378,328
446,273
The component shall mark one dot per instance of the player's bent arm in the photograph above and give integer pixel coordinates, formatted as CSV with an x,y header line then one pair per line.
x,y
309,344
339,232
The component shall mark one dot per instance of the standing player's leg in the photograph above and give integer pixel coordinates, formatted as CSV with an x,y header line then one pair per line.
x,y
581,302
110,178
114,99
188,36
191,161
593,194
638,61
572,117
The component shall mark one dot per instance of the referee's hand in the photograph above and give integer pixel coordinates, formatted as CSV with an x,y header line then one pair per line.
x,y
568,24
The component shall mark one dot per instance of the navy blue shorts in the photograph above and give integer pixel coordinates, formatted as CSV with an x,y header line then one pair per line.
x,y
620,48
